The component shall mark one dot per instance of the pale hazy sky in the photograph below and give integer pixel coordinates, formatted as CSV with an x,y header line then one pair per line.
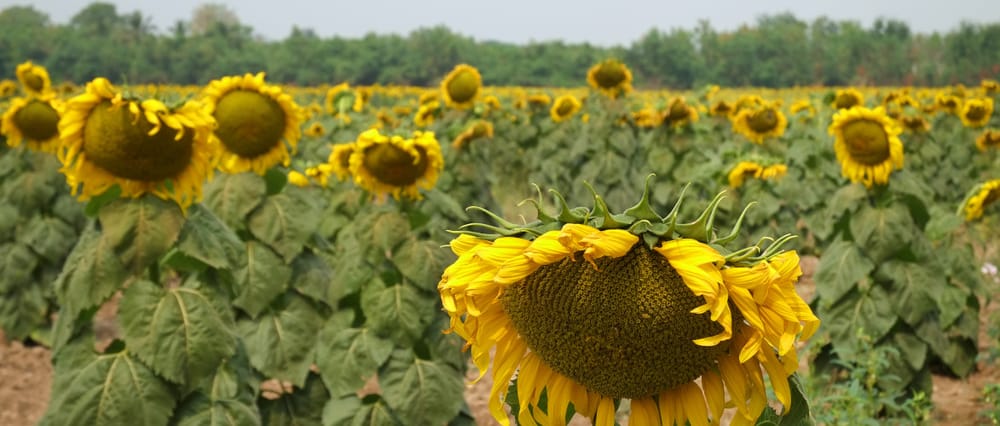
x,y
607,22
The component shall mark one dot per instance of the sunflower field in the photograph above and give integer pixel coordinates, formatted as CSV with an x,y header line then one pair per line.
x,y
348,255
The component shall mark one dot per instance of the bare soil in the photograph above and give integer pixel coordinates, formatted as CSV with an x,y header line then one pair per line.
x,y
26,376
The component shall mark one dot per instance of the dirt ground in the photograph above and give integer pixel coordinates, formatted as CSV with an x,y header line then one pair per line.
x,y
26,376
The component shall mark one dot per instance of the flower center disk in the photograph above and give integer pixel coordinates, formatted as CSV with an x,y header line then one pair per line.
x,y
393,165
38,121
118,142
866,142
609,75
975,112
763,121
624,330
463,87
250,124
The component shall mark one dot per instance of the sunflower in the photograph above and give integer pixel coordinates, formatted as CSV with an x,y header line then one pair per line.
x,y
427,113
258,123
720,108
803,106
564,107
362,96
339,160
976,113
315,130
914,123
34,78
749,169
492,102
650,311
393,165
34,121
990,87
981,197
538,100
610,77
760,123
990,138
847,98
461,86
8,88
338,99
477,130
143,147
647,117
947,103
679,113
867,145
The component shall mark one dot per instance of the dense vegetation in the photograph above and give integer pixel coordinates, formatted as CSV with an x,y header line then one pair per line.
x,y
778,51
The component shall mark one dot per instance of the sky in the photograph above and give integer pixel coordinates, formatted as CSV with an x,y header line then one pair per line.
x,y
604,23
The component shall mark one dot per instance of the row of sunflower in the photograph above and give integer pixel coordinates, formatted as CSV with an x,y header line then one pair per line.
x,y
312,302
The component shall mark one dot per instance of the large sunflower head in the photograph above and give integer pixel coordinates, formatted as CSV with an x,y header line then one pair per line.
x,y
678,113
34,121
34,78
589,307
847,98
977,112
258,123
610,77
394,165
760,123
140,146
479,129
564,107
867,145
461,86
980,198
989,138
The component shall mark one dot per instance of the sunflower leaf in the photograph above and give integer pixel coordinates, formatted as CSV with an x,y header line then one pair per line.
x,y
233,197
51,238
140,230
262,278
417,388
857,310
349,357
388,229
882,231
177,332
913,286
208,240
397,312
284,223
280,342
108,389
304,406
841,268
91,274
313,277
226,399
17,266
351,410
422,262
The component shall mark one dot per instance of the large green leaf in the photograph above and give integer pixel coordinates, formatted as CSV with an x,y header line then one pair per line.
x,y
109,389
388,229
313,277
422,262
225,400
347,358
841,267
233,197
353,411
17,266
24,311
881,231
280,343
870,312
91,274
303,407
284,224
913,288
31,191
176,331
421,389
140,230
397,311
260,279
208,240
9,221
51,238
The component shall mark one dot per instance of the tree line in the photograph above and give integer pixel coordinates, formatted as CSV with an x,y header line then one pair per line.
x,y
776,51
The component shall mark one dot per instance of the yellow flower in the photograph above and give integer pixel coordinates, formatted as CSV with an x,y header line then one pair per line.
x,y
803,105
338,99
976,112
590,316
258,123
477,130
340,160
981,197
34,121
461,86
7,88
720,109
143,147
990,87
914,123
749,169
847,98
990,138
947,103
427,113
384,165
610,77
34,78
760,123
315,130
298,179
564,107
867,145
679,113
647,117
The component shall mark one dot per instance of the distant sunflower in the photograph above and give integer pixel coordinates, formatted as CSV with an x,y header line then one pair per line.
x,y
589,316
679,113
538,100
258,123
947,103
647,117
981,197
847,98
749,169
340,160
34,78
990,87
461,86
990,138
141,146
720,108
760,123
34,121
427,113
492,102
338,99
315,130
8,88
803,106
610,77
480,129
564,107
914,123
362,96
397,166
976,113
867,145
